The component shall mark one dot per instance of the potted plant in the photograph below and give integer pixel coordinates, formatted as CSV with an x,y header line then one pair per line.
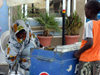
x,y
48,24
73,24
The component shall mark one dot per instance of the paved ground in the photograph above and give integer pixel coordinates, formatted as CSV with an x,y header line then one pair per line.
x,y
3,69
3,64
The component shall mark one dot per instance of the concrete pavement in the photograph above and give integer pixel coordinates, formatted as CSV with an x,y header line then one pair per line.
x,y
3,64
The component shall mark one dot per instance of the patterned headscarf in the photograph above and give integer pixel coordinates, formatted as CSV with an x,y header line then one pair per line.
x,y
17,27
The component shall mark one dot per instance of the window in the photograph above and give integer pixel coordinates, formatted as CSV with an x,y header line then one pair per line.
x,y
56,7
41,6
34,9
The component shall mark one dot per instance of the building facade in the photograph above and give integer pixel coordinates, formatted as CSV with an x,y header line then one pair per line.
x,y
52,7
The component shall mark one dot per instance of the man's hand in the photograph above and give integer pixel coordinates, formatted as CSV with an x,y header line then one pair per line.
x,y
77,54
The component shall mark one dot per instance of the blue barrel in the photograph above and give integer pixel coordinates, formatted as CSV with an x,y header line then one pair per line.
x,y
3,17
52,63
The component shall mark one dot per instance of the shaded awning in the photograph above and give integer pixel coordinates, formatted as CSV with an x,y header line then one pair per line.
x,y
11,3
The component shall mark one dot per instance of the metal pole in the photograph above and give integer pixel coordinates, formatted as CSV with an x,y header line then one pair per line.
x,y
47,6
9,19
68,7
84,15
63,27
25,10
22,6
74,5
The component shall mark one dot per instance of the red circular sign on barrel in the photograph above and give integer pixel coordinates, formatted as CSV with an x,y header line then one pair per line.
x,y
43,73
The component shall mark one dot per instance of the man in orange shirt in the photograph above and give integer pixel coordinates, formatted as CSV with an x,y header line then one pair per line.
x,y
89,53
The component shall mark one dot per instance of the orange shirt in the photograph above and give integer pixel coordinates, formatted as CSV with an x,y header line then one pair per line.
x,y
92,54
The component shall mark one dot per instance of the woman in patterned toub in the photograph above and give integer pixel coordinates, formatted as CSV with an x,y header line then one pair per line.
x,y
20,39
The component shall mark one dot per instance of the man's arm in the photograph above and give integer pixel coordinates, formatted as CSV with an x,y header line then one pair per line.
x,y
88,45
88,36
